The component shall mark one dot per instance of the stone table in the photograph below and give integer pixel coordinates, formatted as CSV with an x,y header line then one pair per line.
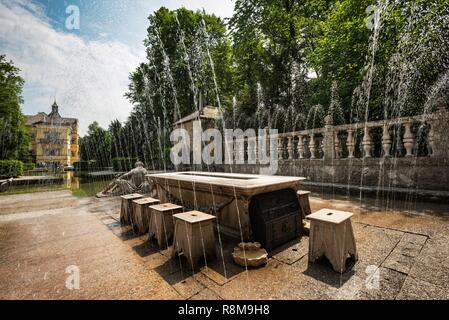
x,y
227,196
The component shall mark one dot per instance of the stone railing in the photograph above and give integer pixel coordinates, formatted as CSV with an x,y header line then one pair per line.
x,y
418,136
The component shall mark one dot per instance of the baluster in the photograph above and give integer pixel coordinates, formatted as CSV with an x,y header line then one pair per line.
x,y
350,143
366,143
386,141
252,150
290,147
301,147
312,146
321,147
240,151
431,141
336,146
409,139
234,151
280,148
256,148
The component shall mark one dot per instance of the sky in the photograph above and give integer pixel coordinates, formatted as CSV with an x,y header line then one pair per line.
x,y
84,66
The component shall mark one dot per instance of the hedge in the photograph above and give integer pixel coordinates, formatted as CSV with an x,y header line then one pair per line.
x,y
123,164
85,165
10,169
28,166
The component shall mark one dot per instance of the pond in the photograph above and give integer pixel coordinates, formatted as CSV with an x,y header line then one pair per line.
x,y
82,184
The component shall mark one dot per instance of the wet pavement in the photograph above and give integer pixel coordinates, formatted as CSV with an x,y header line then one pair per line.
x,y
403,254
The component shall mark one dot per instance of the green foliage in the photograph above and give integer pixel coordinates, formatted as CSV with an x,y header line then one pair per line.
x,y
266,56
85,165
14,138
96,145
123,164
28,166
189,60
10,169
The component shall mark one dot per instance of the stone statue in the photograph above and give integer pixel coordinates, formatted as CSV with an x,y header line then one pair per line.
x,y
133,181
5,185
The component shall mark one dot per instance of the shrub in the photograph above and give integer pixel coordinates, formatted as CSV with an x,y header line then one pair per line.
x,y
10,169
123,164
28,166
85,165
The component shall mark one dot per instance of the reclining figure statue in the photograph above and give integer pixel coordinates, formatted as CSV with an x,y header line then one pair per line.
x,y
133,181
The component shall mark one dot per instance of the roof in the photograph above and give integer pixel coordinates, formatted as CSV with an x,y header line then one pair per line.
x,y
208,112
43,118
53,118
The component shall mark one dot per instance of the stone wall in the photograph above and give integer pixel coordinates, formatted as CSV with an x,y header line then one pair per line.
x,y
376,173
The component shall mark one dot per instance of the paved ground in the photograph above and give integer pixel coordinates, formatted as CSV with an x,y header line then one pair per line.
x,y
42,234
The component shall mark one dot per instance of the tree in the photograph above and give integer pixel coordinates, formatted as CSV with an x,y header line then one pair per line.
x,y
189,59
14,137
96,145
271,41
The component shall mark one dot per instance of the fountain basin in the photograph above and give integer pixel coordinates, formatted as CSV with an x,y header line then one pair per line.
x,y
250,255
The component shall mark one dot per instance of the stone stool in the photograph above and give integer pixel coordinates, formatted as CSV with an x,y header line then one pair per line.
x,y
141,217
331,235
194,236
126,209
303,197
161,223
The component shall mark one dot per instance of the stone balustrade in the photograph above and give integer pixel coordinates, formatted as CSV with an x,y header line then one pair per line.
x,y
418,136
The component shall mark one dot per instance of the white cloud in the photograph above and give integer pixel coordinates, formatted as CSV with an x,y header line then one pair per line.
x,y
88,78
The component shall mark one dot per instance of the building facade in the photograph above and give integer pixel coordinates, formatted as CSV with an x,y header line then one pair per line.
x,y
54,138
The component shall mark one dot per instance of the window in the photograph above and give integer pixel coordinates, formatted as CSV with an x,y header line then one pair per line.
x,y
52,152
51,136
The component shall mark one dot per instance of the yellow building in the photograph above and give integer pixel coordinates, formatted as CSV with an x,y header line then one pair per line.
x,y
54,138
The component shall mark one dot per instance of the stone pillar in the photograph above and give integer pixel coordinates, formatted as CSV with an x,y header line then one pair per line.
x,y
301,147
350,143
328,139
312,146
252,150
337,146
280,148
409,139
290,147
438,136
431,141
366,143
386,141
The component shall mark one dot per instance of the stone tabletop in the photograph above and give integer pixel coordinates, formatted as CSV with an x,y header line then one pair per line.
x,y
166,207
330,215
145,200
194,216
132,196
230,183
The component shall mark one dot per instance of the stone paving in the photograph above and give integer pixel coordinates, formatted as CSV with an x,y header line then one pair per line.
x,y
402,255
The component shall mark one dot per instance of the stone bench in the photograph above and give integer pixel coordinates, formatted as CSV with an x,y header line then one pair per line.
x,y
141,214
194,236
127,207
332,236
161,224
